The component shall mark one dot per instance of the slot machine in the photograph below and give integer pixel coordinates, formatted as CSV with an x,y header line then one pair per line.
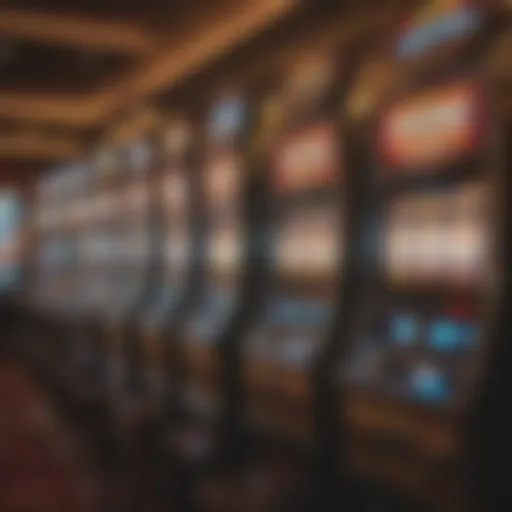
x,y
79,216
211,327
72,183
56,256
41,263
100,264
11,228
172,273
430,313
13,239
283,351
132,241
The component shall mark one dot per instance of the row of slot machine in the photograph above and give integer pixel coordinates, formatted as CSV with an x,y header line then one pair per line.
x,y
333,254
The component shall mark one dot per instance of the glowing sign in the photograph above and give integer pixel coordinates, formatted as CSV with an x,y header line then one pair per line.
x,y
431,128
308,159
438,23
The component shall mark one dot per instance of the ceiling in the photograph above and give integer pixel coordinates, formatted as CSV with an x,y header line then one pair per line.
x,y
68,67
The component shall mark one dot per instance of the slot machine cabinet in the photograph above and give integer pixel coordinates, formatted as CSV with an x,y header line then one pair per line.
x,y
305,247
173,263
59,259
44,264
208,333
132,239
72,180
79,215
430,308
74,177
101,262
11,247
306,206
56,259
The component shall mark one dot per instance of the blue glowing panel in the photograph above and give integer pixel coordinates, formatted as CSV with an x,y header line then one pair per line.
x,y
228,117
429,384
404,329
299,312
452,26
445,335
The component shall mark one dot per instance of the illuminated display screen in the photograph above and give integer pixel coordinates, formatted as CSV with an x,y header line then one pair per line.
x,y
221,177
175,192
417,348
438,22
10,220
225,248
292,330
439,237
308,159
308,242
433,127
286,312
228,117
177,249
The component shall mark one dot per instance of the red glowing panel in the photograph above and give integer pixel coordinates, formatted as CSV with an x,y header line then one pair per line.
x,y
308,159
431,128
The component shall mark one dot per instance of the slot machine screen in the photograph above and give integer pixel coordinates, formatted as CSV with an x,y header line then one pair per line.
x,y
175,205
222,180
308,159
9,240
437,23
222,183
225,247
305,241
175,194
430,128
437,237
307,162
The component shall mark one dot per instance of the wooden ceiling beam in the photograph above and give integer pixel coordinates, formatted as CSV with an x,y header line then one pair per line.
x,y
76,31
37,146
210,36
178,57
79,110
